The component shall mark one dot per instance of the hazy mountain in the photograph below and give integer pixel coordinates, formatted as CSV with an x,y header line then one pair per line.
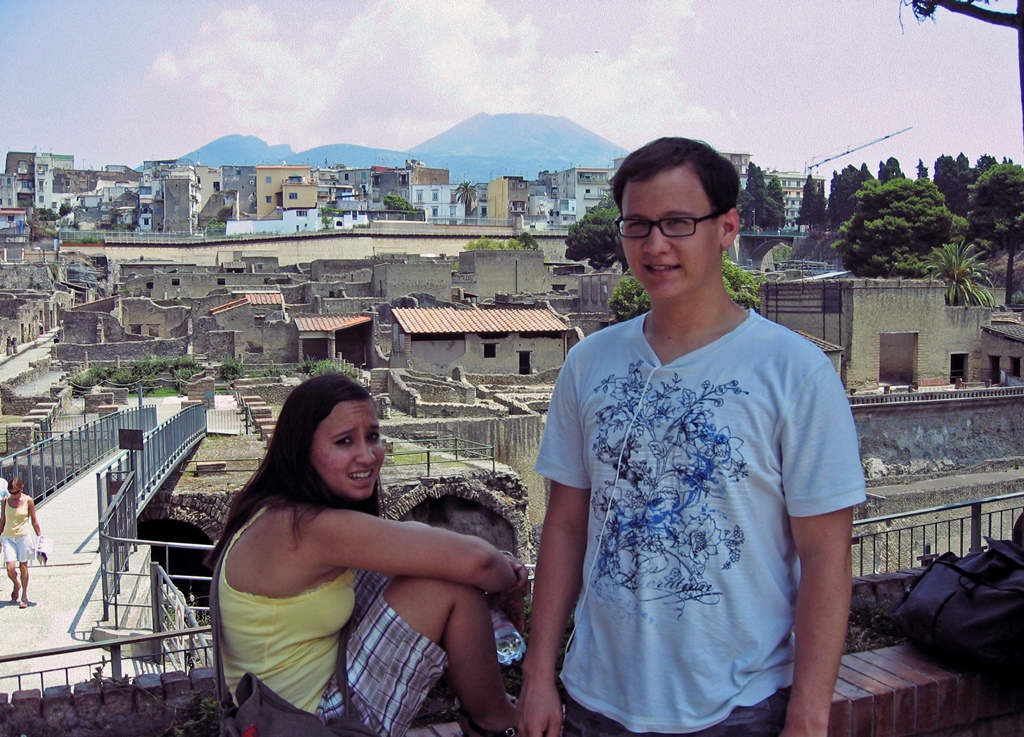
x,y
238,149
478,149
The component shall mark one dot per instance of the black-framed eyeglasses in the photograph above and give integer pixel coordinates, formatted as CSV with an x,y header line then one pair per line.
x,y
677,227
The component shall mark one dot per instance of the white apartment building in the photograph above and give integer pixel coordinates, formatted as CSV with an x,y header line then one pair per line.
x,y
579,191
438,201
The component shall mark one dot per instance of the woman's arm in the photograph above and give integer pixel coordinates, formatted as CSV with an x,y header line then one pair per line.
x,y
32,516
346,539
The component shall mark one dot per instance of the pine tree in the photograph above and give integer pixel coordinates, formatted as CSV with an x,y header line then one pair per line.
x,y
812,206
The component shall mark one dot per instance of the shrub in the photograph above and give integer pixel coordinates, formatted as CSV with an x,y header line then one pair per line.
x,y
230,369
327,366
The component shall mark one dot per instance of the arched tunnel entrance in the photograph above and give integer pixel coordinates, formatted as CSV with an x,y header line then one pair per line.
x,y
465,516
181,565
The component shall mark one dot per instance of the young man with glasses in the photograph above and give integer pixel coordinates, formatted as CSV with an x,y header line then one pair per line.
x,y
703,465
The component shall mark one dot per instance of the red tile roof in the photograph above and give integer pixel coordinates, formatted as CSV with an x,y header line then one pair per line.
x,y
447,320
252,298
264,298
326,323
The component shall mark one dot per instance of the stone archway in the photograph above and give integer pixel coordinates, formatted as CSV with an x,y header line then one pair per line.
x,y
489,505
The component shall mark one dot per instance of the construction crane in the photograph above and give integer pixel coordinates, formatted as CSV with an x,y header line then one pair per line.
x,y
811,163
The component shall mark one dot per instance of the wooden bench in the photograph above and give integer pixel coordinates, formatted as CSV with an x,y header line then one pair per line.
x,y
210,467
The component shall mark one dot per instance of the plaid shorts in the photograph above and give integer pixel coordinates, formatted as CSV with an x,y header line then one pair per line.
x,y
391,666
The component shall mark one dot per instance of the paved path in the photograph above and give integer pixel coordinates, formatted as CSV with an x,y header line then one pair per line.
x,y
13,366
66,594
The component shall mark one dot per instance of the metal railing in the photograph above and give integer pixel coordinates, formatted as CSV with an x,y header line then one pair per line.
x,y
893,542
149,653
65,422
440,451
127,483
49,465
994,392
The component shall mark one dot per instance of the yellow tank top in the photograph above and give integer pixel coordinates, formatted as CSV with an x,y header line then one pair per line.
x,y
291,643
17,522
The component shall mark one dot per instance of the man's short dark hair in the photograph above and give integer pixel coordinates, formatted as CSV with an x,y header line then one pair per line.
x,y
716,173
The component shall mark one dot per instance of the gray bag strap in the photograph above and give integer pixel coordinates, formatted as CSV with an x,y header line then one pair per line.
x,y
223,693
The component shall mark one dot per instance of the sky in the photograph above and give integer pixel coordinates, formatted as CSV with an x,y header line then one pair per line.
x,y
789,81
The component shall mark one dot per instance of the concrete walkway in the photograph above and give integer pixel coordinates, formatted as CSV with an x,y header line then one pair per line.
x,y
13,366
66,594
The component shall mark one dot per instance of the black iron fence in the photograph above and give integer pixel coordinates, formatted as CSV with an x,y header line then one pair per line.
x,y
909,539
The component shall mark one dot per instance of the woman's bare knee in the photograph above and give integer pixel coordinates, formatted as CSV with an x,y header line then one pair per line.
x,y
426,604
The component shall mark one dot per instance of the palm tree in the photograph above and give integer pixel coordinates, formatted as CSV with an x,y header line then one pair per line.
x,y
967,279
466,194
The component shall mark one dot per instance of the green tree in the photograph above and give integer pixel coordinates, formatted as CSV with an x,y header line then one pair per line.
x,y
628,299
773,212
45,213
974,9
466,194
65,209
522,242
953,177
922,170
230,369
526,241
813,205
595,239
966,277
743,287
997,214
890,169
984,163
842,193
894,226
762,202
751,199
486,243
397,202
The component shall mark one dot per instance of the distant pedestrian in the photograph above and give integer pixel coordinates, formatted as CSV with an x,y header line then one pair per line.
x,y
16,514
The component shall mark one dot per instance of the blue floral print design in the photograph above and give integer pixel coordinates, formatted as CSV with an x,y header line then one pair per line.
x,y
663,529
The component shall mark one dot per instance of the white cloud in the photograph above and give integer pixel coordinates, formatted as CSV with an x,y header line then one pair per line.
x,y
394,72
165,67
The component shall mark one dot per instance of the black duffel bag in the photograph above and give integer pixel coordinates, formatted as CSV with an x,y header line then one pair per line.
x,y
970,608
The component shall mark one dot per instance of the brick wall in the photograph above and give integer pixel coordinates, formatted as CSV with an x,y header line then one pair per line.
x,y
148,704
892,692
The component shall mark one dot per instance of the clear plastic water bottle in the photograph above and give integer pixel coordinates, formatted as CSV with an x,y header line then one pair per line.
x,y
507,640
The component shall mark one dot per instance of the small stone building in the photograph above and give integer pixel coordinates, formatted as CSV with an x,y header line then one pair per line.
x,y
515,341
891,331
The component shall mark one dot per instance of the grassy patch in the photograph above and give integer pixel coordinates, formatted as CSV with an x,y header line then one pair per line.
x,y
161,391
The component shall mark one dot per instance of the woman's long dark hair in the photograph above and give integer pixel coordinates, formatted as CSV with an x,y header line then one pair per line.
x,y
285,477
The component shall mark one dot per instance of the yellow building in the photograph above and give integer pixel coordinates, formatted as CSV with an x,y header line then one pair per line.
x,y
507,197
284,187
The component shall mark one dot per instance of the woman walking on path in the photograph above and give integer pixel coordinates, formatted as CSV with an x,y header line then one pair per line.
x,y
17,512
305,554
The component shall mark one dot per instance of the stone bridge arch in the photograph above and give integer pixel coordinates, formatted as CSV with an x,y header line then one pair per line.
x,y
489,505
203,510
751,247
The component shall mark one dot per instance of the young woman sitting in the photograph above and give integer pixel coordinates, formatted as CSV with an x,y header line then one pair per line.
x,y
305,554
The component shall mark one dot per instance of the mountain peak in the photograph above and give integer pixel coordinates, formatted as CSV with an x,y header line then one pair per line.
x,y
478,149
